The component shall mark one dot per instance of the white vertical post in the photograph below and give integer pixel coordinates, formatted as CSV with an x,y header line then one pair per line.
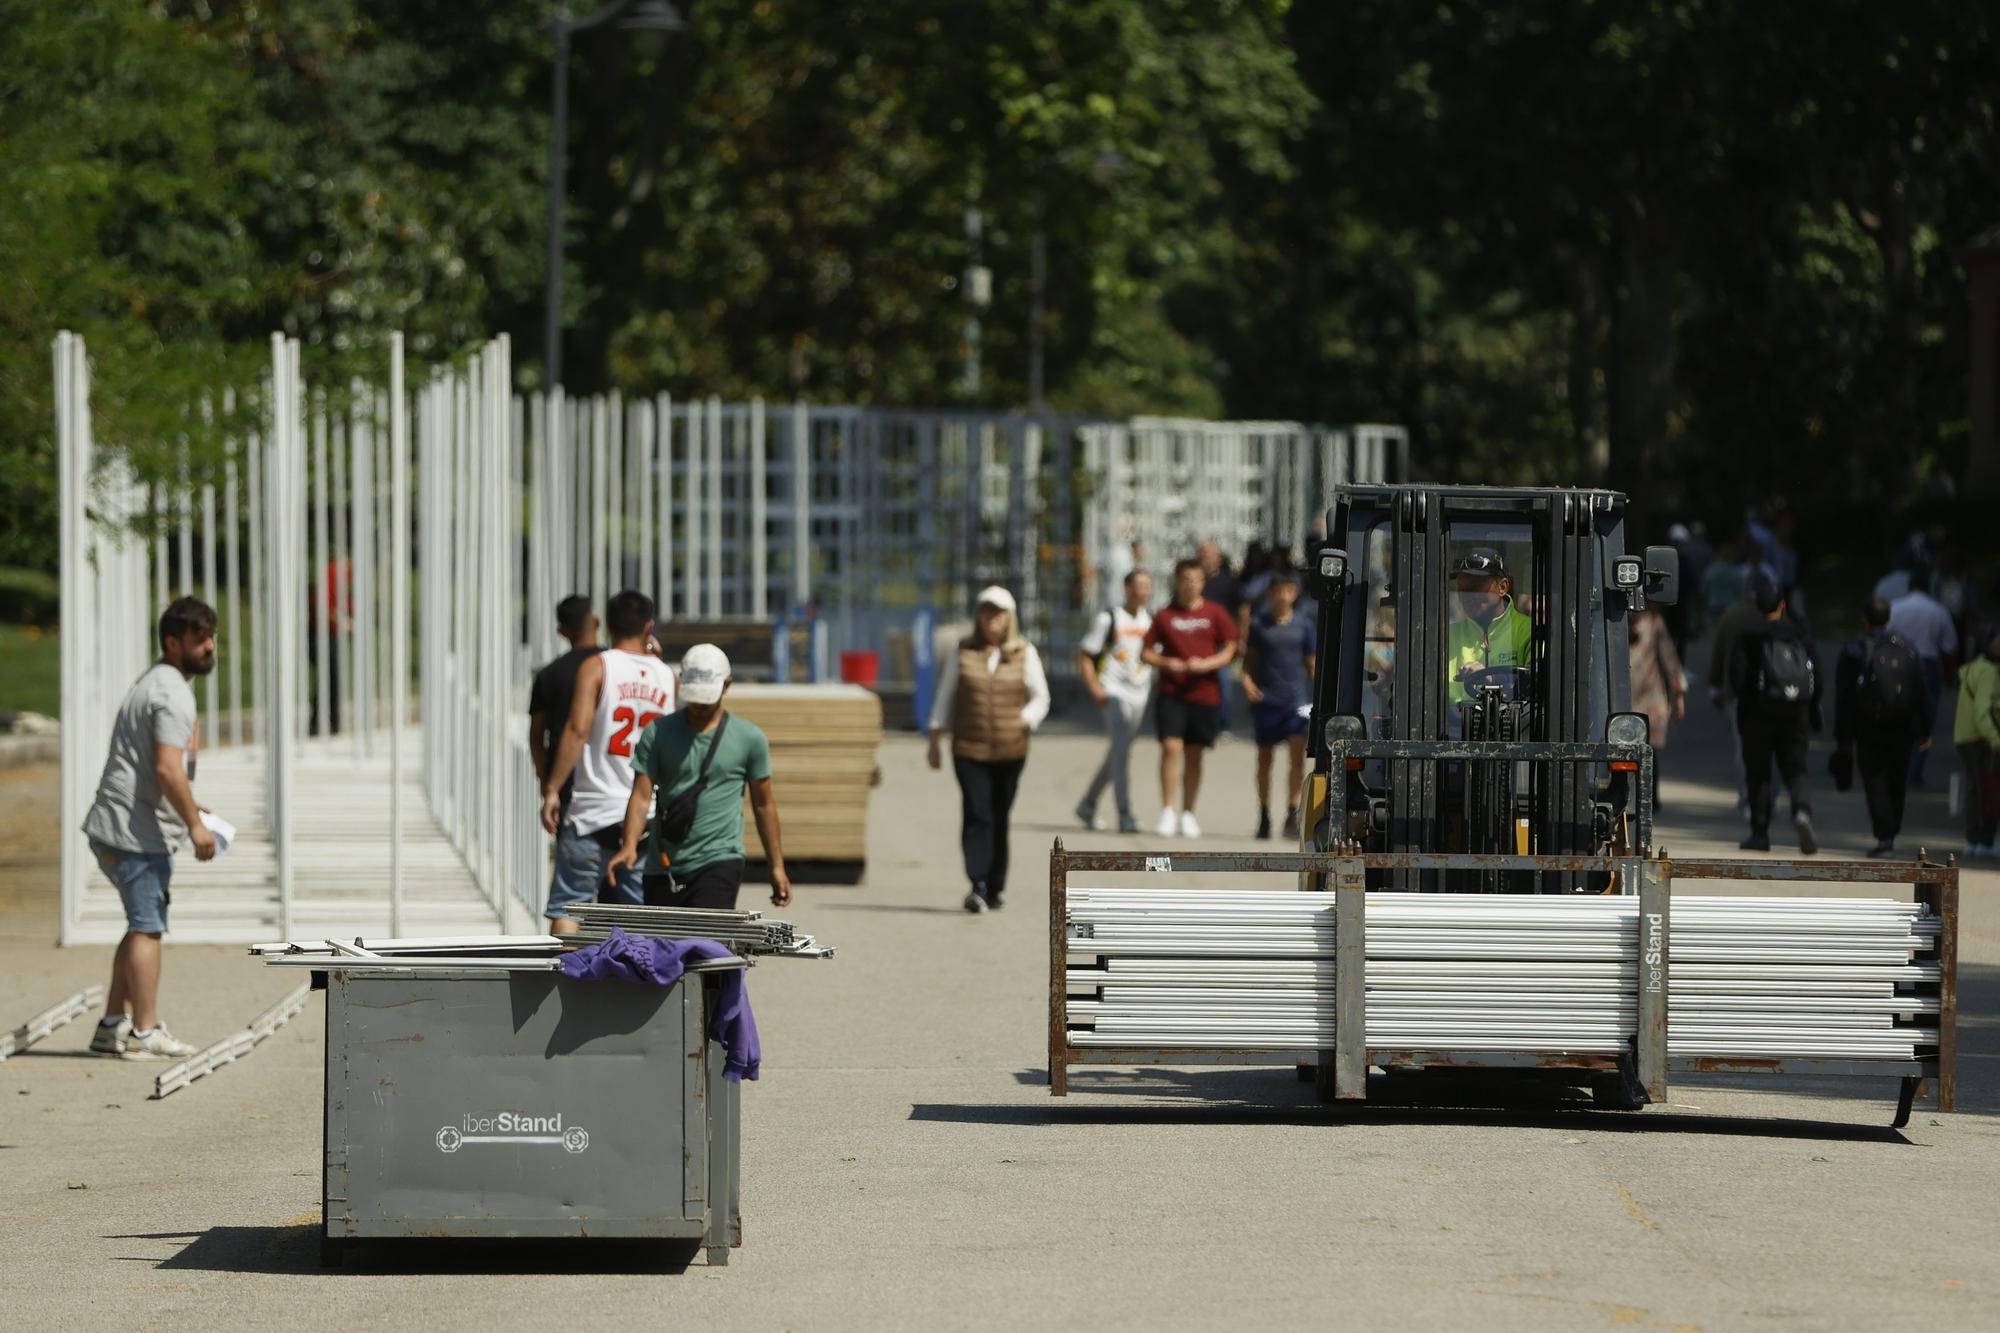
x,y
211,733
614,493
399,619
184,507
691,499
802,508
640,436
760,556
361,555
663,415
232,561
714,507
78,621
340,572
316,578
600,499
256,455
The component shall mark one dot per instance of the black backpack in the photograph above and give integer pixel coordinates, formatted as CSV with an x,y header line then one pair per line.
x,y
1891,684
1785,675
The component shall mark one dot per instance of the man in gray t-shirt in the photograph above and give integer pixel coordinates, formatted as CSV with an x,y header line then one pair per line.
x,y
145,805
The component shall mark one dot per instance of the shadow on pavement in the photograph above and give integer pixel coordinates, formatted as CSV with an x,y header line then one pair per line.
x,y
1388,1113
293,1249
895,907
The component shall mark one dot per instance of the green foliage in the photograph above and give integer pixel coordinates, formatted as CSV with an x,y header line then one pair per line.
x,y
1699,249
30,670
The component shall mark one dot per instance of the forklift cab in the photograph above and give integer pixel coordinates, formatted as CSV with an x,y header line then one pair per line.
x,y
1474,683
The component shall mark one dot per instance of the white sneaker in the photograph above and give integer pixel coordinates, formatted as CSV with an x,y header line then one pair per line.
x,y
159,1044
1189,829
111,1040
974,903
1169,823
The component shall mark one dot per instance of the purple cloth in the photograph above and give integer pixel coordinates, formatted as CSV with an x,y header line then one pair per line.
x,y
659,962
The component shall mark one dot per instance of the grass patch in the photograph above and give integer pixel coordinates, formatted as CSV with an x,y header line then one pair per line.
x,y
30,670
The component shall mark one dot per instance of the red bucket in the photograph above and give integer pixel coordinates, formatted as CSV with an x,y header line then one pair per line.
x,y
861,668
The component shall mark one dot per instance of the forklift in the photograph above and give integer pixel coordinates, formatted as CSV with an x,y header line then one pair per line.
x,y
1472,731
1477,636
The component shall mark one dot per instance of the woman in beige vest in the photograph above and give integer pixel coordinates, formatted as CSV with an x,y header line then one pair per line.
x,y
991,694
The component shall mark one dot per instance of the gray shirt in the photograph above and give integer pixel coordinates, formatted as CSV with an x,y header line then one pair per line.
x,y
1924,624
129,812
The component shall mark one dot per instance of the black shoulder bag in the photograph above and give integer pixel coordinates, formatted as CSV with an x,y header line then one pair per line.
x,y
676,817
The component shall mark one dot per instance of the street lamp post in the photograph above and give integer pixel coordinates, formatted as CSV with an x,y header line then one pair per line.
x,y
651,22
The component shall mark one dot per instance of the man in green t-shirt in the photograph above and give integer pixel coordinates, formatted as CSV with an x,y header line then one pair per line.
x,y
705,868
1487,630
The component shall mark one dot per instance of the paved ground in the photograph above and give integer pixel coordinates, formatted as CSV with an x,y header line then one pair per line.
x,y
905,1166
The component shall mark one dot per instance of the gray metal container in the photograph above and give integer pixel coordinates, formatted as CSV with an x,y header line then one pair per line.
x,y
483,1103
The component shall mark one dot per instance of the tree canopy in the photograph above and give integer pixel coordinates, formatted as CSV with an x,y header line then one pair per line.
x,y
1692,248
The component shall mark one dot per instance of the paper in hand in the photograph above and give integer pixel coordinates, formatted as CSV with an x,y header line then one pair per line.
x,y
224,831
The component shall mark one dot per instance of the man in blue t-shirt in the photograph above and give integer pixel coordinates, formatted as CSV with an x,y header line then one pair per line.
x,y
1277,679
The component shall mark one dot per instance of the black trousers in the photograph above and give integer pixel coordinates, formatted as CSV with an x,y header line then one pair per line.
x,y
1883,764
1779,739
713,886
986,802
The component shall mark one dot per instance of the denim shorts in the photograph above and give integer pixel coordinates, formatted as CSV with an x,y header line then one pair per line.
x,y
579,877
141,879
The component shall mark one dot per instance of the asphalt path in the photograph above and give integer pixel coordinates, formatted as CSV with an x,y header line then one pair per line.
x,y
905,1166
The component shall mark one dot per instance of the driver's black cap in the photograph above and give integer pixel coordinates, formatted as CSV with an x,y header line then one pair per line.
x,y
1481,562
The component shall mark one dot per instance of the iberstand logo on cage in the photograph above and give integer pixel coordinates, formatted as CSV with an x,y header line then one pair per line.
x,y
513,1127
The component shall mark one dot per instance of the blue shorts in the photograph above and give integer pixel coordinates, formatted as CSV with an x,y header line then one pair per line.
x,y
579,877
141,879
1273,723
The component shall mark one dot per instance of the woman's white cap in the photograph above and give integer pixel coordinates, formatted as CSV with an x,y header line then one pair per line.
x,y
995,595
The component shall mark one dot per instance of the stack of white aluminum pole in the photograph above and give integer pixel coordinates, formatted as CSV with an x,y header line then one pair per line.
x,y
1747,976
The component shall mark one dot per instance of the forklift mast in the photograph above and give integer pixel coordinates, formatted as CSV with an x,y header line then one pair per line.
x,y
1404,692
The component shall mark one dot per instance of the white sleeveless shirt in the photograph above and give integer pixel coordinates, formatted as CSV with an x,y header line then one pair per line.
x,y
637,689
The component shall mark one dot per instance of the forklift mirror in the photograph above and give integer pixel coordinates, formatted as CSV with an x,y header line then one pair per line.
x,y
1663,575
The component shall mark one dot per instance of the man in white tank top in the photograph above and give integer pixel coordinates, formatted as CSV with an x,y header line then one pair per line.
x,y
619,693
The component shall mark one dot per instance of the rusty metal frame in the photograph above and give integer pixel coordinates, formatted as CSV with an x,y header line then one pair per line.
x,y
1342,1072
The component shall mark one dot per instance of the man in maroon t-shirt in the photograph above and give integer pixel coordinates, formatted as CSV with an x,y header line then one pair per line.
x,y
1189,644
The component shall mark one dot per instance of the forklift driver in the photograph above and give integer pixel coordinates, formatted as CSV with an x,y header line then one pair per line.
x,y
1487,629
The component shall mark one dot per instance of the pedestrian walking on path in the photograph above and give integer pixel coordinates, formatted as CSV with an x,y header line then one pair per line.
x,y
145,806
1189,644
701,761
1976,732
1878,700
619,693
1223,587
1119,682
1278,661
1923,623
1659,685
992,695
1777,689
554,689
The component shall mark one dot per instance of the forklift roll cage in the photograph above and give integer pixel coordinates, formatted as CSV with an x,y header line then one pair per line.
x,y
1538,774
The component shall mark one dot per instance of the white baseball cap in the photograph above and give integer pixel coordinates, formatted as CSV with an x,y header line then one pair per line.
x,y
995,595
704,671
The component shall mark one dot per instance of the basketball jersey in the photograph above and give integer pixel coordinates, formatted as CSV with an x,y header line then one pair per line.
x,y
637,689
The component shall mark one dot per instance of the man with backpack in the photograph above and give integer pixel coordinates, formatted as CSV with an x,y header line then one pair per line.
x,y
1926,626
1878,715
1118,683
1777,689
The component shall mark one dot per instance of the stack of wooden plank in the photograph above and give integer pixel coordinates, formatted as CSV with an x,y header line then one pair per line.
x,y
823,741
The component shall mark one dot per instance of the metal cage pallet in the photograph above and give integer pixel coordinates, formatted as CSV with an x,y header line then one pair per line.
x,y
1641,982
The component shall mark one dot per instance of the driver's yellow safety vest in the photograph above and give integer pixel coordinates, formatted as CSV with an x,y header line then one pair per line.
x,y
1508,642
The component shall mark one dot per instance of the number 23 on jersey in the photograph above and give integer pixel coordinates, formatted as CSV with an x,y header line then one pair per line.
x,y
628,721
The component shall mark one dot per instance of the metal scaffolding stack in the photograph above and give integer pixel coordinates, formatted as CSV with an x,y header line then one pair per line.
x,y
1752,977
748,933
